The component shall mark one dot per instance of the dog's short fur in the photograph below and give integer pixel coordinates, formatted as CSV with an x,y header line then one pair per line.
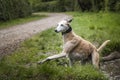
x,y
75,47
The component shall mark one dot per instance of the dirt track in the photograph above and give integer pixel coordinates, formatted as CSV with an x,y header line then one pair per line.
x,y
11,37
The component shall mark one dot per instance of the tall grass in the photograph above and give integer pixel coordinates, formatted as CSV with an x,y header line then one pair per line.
x,y
95,27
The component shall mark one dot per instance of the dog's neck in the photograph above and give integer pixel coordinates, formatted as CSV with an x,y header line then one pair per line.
x,y
68,35
69,30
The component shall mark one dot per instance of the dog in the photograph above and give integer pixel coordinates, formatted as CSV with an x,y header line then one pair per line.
x,y
75,48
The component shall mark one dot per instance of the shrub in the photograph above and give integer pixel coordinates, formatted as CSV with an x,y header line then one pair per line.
x,y
75,5
10,9
51,6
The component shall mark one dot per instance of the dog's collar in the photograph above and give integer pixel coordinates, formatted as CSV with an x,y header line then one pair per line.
x,y
69,30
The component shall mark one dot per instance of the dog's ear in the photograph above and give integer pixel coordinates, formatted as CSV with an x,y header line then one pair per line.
x,y
69,20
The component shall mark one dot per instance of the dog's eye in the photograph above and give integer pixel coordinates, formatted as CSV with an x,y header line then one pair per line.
x,y
62,25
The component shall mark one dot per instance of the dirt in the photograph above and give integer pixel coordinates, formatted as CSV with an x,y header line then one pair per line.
x,y
111,69
10,38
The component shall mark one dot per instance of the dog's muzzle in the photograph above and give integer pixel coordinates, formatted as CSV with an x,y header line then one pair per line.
x,y
56,31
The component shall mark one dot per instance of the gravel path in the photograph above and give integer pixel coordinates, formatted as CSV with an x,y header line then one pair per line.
x,y
11,37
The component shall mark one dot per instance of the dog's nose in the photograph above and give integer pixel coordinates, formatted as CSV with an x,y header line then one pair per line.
x,y
56,31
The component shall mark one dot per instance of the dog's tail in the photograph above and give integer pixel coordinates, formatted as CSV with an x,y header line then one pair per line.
x,y
103,45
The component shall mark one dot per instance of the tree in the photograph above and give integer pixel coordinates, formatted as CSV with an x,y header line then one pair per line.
x,y
11,9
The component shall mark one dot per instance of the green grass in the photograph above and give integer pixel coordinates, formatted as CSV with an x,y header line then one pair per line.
x,y
18,21
95,27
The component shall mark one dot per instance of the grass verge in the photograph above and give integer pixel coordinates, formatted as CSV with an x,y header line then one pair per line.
x,y
18,21
95,27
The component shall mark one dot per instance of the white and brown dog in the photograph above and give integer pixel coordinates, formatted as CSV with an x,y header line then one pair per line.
x,y
75,47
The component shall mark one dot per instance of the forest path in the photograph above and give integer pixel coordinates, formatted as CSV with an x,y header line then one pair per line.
x,y
11,37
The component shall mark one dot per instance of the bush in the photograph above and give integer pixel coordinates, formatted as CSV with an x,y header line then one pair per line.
x,y
51,6
46,6
11,9
75,5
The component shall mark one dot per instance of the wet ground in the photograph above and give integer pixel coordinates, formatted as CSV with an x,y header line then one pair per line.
x,y
112,69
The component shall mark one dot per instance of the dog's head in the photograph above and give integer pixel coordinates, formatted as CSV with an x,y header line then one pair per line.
x,y
63,25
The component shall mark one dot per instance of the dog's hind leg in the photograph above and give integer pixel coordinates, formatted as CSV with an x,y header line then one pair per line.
x,y
52,57
95,58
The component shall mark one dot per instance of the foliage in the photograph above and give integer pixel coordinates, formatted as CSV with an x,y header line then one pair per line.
x,y
75,5
11,9
45,6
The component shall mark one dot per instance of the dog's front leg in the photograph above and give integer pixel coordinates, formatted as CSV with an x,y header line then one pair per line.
x,y
52,57
68,47
69,60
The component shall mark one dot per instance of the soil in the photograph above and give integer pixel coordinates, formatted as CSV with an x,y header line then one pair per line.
x,y
10,38
111,69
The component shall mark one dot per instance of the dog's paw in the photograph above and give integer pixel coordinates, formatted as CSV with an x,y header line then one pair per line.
x,y
40,62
